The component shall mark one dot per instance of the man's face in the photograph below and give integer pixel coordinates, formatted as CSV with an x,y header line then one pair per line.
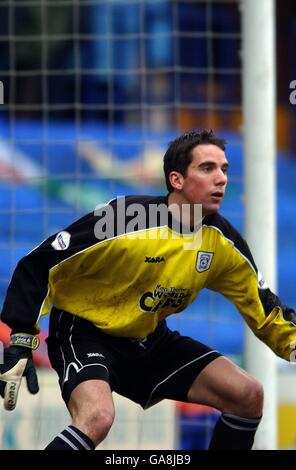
x,y
206,178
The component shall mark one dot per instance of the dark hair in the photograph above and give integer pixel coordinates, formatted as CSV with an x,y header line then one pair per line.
x,y
178,155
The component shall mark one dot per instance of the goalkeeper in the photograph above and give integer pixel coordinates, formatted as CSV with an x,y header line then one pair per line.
x,y
111,279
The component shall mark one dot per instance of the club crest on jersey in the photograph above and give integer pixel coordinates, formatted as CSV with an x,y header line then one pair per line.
x,y
203,261
61,241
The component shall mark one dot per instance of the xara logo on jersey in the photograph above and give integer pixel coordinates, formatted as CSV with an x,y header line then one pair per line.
x,y
157,259
163,297
94,354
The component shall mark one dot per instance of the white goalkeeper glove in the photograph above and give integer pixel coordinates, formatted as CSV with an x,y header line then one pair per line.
x,y
18,363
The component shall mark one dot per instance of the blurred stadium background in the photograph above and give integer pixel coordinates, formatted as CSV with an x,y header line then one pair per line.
x,y
93,92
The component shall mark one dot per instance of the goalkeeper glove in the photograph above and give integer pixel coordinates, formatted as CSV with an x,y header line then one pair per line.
x,y
18,362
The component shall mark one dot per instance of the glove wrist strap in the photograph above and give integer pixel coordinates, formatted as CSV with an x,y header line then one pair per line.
x,y
24,340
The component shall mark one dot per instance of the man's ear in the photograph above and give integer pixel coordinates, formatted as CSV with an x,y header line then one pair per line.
x,y
176,180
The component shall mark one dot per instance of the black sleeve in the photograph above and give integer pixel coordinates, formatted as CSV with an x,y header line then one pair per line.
x,y
28,288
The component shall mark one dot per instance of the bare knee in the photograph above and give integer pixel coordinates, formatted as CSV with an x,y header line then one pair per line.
x,y
248,400
101,422
92,410
96,423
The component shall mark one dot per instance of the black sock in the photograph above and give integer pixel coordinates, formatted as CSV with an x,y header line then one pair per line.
x,y
233,432
71,438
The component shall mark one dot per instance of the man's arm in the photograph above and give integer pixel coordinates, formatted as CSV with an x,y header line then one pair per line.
x,y
28,292
272,322
27,298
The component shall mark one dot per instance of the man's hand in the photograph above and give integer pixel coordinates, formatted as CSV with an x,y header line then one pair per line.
x,y
18,362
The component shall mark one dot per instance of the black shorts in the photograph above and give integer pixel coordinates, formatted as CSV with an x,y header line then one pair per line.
x,y
164,365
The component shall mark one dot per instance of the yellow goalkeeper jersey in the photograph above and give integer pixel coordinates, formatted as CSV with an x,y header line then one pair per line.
x,y
125,274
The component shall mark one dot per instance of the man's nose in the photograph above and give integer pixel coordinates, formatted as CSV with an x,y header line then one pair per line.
x,y
221,178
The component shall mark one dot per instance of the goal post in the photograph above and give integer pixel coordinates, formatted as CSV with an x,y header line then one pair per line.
x,y
260,183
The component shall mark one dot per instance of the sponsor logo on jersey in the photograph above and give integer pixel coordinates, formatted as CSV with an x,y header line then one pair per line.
x,y
157,259
61,241
163,297
203,261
